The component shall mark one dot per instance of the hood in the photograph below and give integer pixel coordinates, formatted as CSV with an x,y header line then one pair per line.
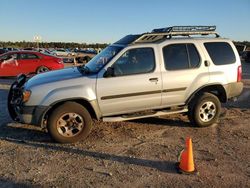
x,y
54,76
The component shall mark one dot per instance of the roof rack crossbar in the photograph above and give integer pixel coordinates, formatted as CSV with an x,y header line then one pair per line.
x,y
184,29
168,32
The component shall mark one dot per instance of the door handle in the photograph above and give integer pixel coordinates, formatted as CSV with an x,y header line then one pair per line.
x,y
153,79
207,63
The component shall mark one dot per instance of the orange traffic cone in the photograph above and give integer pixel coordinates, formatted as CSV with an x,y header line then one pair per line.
x,y
186,163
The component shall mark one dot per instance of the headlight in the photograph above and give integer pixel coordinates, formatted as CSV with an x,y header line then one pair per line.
x,y
26,95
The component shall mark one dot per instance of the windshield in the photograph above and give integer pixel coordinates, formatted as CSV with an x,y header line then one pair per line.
x,y
101,59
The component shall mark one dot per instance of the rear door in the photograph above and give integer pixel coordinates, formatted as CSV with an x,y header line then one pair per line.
x,y
183,71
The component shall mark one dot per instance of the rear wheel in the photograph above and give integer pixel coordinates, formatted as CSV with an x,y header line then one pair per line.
x,y
69,123
42,69
204,110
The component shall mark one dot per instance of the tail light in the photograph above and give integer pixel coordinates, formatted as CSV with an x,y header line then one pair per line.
x,y
239,73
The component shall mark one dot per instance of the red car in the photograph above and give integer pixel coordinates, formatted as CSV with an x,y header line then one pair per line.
x,y
16,62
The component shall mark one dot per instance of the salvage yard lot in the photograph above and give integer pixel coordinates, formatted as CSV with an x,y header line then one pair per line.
x,y
139,153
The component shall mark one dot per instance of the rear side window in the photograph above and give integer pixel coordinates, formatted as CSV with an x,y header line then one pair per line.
x,y
221,53
181,56
193,56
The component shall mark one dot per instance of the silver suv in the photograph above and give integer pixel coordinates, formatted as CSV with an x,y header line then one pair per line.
x,y
166,71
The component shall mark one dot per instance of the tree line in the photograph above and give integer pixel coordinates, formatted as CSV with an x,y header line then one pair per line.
x,y
26,44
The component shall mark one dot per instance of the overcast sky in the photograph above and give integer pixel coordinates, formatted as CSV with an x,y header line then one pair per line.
x,y
98,21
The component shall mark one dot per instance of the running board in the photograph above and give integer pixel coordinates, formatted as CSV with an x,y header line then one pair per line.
x,y
156,114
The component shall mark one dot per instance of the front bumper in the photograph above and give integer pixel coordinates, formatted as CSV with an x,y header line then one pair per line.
x,y
32,114
18,111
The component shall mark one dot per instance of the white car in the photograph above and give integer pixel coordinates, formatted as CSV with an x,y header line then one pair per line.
x,y
61,52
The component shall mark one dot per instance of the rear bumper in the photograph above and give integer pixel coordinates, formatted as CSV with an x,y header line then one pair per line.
x,y
233,89
56,66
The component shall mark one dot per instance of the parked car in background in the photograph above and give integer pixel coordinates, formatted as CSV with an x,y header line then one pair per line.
x,y
45,51
11,49
61,52
246,56
30,49
240,48
17,62
2,51
90,51
42,50
84,56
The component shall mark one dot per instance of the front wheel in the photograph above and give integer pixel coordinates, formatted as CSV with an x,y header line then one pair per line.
x,y
204,110
69,123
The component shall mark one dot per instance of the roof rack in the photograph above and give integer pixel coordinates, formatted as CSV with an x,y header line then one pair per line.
x,y
168,32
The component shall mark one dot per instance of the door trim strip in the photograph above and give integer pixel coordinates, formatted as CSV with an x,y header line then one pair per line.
x,y
175,89
130,94
142,93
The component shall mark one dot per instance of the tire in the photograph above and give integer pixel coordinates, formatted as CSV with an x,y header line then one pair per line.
x,y
42,69
204,110
75,118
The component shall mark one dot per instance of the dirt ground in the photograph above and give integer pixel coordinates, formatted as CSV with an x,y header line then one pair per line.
x,y
139,153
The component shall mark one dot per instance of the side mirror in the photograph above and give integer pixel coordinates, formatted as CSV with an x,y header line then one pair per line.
x,y
109,73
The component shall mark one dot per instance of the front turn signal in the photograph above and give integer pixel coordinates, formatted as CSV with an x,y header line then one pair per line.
x,y
26,95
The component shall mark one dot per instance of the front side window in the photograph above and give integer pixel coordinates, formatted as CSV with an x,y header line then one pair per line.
x,y
181,56
221,53
135,61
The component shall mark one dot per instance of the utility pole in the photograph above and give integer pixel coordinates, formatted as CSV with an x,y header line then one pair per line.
x,y
37,39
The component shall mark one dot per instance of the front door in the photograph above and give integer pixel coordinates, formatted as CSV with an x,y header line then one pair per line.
x,y
135,85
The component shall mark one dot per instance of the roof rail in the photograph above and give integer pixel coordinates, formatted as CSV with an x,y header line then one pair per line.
x,y
168,32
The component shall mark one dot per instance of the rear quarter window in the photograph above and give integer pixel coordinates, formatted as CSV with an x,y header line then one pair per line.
x,y
221,53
